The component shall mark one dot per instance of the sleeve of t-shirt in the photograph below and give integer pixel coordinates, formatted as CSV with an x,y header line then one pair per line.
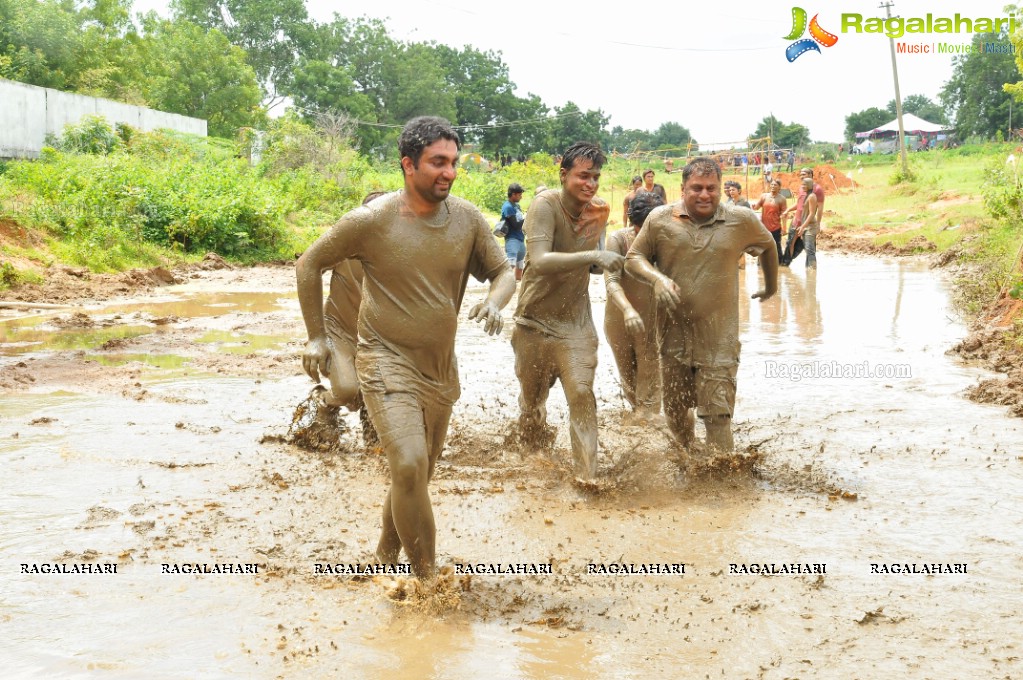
x,y
644,245
488,260
818,191
615,244
508,211
540,220
758,238
344,240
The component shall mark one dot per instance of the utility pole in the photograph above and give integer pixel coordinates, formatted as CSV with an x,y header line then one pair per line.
x,y
887,6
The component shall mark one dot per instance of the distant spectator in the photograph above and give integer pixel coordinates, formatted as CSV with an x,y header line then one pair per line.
x,y
515,238
648,185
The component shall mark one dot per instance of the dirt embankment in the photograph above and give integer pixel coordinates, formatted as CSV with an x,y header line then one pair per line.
x,y
995,345
63,283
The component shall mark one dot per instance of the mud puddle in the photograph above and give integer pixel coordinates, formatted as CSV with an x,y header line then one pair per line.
x,y
854,464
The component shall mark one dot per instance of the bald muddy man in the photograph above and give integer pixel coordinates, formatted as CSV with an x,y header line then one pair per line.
x,y
554,336
687,252
629,319
417,248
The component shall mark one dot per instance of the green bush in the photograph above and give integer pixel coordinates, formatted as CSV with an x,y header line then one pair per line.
x,y
92,134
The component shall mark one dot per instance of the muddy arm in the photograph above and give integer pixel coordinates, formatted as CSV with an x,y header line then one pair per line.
x,y
545,262
768,265
328,250
489,311
666,292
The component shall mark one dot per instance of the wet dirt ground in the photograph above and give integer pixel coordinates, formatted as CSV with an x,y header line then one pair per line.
x,y
149,431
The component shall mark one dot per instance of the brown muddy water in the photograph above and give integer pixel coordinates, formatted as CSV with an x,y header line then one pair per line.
x,y
157,440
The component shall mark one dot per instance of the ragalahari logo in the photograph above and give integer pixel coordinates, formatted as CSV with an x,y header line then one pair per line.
x,y
819,35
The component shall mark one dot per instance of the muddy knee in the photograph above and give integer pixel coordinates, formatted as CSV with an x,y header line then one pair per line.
x,y
409,471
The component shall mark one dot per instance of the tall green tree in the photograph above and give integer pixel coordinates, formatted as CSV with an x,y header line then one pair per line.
x,y
921,106
41,42
785,135
628,141
672,136
273,33
570,124
198,72
867,119
974,96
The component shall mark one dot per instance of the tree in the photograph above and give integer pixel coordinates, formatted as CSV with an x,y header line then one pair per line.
x,y
785,135
273,34
628,141
867,119
40,42
974,96
195,72
570,125
672,137
921,106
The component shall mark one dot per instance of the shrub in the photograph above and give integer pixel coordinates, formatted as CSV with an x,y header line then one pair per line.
x,y
92,134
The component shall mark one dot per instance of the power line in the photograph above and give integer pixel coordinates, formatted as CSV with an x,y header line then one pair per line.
x,y
488,126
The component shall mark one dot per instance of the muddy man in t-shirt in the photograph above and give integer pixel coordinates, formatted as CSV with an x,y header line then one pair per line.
x,y
417,248
687,252
554,337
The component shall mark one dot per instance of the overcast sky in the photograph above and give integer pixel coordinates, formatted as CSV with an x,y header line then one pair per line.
x,y
716,67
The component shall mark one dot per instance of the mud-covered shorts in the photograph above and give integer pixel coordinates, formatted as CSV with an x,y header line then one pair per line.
x,y
401,403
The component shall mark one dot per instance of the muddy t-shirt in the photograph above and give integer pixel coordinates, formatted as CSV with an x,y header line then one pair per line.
x,y
639,293
341,311
701,262
414,275
559,304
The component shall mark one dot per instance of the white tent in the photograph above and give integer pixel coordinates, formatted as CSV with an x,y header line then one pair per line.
x,y
911,124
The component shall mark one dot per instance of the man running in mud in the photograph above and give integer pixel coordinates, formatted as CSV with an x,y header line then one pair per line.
x,y
341,317
687,252
417,247
629,320
554,336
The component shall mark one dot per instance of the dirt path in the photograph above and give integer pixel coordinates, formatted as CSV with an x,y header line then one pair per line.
x,y
149,431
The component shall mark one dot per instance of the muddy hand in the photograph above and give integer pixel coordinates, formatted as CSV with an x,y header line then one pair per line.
x,y
763,294
667,293
316,358
490,315
610,262
634,324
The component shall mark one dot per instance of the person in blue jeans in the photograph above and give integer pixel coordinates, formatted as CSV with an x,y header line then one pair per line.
x,y
515,238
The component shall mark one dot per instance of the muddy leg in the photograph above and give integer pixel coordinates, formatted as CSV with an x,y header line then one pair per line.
x,y
648,376
679,389
719,433
344,382
410,509
715,395
623,351
389,545
577,364
535,381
